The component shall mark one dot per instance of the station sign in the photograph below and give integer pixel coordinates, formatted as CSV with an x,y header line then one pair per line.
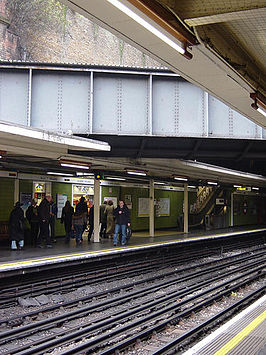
x,y
247,189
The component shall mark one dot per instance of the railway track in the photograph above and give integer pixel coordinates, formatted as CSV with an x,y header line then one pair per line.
x,y
99,322
69,279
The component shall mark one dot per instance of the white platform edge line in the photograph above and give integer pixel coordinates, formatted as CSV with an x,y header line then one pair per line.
x,y
91,254
219,331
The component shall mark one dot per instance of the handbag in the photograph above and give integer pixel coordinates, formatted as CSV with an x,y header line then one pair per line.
x,y
128,233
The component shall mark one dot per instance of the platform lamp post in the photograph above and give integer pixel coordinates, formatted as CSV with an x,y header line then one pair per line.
x,y
185,208
151,208
96,237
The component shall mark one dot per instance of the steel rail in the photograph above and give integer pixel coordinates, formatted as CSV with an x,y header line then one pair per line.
x,y
91,345
216,318
174,343
124,315
205,267
78,283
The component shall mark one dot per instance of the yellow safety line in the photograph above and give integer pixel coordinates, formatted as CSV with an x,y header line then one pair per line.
x,y
106,250
241,335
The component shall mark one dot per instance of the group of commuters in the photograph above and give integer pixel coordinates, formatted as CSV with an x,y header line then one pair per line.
x,y
113,222
42,223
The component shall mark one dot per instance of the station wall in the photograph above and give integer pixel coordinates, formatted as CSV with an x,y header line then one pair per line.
x,y
247,209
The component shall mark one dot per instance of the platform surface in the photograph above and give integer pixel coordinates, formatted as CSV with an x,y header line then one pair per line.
x,y
245,334
30,256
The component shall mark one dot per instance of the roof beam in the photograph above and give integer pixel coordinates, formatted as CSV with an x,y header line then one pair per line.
x,y
223,17
196,9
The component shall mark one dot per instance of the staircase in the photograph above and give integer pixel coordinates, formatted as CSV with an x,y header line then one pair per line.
x,y
204,205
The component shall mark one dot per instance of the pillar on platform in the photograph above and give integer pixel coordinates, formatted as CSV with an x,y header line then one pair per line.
x,y
96,237
151,208
185,208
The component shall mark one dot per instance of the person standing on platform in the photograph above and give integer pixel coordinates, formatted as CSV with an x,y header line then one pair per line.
x,y
122,220
33,218
53,213
91,222
109,211
66,218
77,225
103,220
16,227
44,218
82,207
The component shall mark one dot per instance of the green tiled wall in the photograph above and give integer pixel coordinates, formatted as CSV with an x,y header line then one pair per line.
x,y
60,188
6,198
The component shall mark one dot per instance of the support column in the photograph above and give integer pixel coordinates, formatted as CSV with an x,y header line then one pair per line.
x,y
151,208
16,190
96,237
232,211
185,208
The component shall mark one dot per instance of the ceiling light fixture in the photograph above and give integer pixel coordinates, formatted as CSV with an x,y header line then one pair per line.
x,y
255,188
74,164
178,47
259,103
212,183
84,174
192,186
137,172
237,186
180,178
159,183
56,173
115,178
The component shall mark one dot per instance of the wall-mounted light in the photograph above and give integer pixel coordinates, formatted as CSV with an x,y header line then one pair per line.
x,y
259,103
136,172
175,44
74,164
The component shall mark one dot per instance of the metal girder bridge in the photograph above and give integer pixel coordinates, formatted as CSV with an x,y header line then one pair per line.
x,y
115,101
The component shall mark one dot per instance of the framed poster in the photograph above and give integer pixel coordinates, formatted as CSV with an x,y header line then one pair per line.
x,y
143,207
163,207
61,200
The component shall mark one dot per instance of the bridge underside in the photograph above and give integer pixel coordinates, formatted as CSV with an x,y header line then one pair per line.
x,y
243,155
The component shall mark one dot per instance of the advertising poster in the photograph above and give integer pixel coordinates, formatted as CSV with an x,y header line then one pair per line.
x,y
61,200
143,207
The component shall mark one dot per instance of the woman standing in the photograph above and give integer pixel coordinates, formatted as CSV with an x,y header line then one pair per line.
x,y
66,218
16,231
109,211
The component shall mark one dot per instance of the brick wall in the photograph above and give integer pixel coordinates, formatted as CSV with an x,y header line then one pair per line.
x,y
72,39
9,46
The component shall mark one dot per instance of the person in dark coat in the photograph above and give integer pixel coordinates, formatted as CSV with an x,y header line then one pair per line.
x,y
77,223
66,218
103,220
91,222
44,218
82,208
53,213
33,218
16,224
122,220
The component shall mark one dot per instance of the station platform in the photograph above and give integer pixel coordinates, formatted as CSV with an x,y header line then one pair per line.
x,y
61,252
243,334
